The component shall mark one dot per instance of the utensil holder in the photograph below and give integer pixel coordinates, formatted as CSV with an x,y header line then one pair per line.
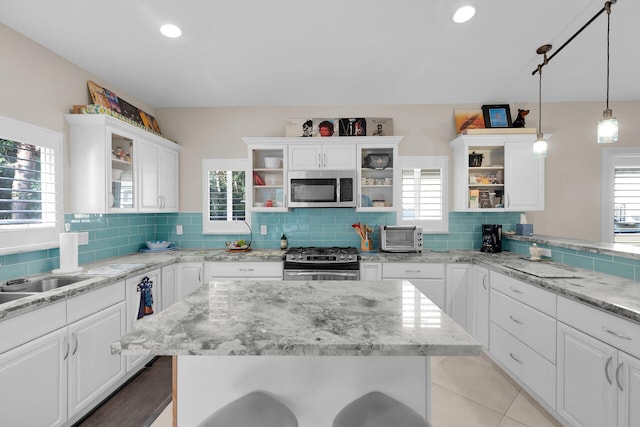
x,y
365,245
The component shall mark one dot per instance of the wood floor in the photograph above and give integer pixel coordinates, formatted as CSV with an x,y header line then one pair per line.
x,y
139,402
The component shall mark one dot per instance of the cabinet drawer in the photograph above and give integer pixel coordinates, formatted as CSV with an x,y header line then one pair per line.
x,y
408,270
91,302
532,327
537,298
620,333
532,369
21,329
243,269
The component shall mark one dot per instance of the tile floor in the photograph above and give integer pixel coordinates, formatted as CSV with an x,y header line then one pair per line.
x,y
468,392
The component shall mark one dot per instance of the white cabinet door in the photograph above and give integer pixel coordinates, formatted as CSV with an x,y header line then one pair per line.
x,y
168,165
339,157
524,178
133,307
628,381
479,305
586,388
316,157
34,382
370,271
158,172
93,370
169,285
305,157
457,293
190,278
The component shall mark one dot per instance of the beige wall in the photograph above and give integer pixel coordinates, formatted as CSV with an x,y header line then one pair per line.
x,y
38,87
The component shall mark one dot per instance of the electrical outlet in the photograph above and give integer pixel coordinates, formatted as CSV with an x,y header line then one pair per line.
x,y
263,229
83,238
179,230
545,252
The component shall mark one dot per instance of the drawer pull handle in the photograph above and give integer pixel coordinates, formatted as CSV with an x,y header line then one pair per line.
x,y
517,291
624,337
606,370
516,359
519,322
412,271
246,269
618,375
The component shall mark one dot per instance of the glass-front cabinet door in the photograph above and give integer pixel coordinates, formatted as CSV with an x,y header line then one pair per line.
x,y
267,183
122,189
378,177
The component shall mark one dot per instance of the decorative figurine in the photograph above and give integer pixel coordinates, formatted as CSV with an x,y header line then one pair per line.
x,y
519,121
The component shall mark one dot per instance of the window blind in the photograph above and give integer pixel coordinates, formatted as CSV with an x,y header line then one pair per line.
x,y
626,194
422,194
27,185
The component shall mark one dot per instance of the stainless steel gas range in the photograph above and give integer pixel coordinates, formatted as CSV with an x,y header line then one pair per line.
x,y
317,263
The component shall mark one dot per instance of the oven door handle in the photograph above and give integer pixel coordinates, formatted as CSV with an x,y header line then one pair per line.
x,y
324,273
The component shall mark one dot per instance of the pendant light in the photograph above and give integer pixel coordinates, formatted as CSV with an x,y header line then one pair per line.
x,y
540,146
608,126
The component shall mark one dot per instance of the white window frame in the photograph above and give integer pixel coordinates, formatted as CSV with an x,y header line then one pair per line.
x,y
427,162
223,227
15,239
613,157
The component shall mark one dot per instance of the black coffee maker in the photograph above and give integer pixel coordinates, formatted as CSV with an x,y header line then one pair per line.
x,y
491,238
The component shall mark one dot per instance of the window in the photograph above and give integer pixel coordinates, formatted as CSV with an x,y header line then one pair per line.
x,y
621,195
424,193
224,199
30,187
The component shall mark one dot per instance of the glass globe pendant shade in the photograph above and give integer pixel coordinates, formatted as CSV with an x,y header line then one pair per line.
x,y
540,147
607,128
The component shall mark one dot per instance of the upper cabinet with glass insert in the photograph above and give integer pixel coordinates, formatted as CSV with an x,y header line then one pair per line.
x,y
107,173
266,181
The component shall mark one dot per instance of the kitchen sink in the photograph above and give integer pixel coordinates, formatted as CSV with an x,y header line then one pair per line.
x,y
39,285
12,296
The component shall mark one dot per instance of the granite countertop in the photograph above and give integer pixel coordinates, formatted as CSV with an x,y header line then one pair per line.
x,y
301,318
611,293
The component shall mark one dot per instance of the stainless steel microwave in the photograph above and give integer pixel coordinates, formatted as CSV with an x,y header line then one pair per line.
x,y
397,238
322,189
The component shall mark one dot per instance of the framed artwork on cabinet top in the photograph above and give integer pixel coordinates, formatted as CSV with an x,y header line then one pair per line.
x,y
497,116
468,119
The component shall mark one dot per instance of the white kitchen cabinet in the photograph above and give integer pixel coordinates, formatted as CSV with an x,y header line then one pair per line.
x,y
370,270
598,382
379,185
93,370
266,183
34,382
169,285
158,173
522,334
479,304
329,156
457,293
229,270
105,159
133,297
509,178
66,371
427,277
190,277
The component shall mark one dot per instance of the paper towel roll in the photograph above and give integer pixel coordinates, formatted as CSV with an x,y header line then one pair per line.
x,y
68,253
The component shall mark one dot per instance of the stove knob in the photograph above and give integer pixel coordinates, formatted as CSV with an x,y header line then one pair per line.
x,y
300,256
350,256
341,256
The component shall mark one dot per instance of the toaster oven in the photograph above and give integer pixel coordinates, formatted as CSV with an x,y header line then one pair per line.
x,y
398,238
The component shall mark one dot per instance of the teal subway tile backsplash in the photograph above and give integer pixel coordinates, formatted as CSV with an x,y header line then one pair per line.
x,y
112,235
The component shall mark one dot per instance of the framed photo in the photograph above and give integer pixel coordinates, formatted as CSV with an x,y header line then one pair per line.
x,y
497,116
299,128
468,119
323,127
379,126
353,127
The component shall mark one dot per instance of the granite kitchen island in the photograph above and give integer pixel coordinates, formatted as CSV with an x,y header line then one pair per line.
x,y
316,346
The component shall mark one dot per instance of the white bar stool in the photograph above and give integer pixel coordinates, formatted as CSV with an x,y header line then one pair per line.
x,y
256,409
376,409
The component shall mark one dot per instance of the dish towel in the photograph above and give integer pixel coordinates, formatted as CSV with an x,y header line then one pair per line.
x,y
146,297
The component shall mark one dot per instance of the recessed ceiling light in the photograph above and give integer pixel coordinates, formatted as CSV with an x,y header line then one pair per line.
x,y
171,31
463,14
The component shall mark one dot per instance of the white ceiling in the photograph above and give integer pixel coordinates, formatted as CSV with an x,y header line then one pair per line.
x,y
337,52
